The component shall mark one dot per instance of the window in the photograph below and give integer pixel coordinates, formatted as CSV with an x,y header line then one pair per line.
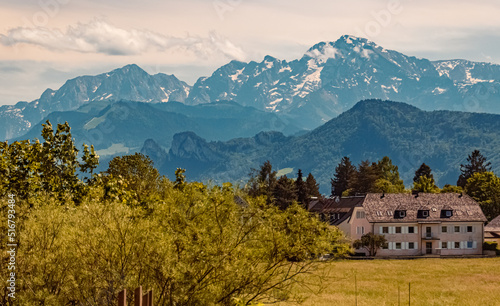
x,y
389,212
457,245
448,213
457,229
360,230
402,213
422,213
411,245
469,244
444,245
385,246
444,229
398,245
469,229
385,230
411,230
360,214
398,229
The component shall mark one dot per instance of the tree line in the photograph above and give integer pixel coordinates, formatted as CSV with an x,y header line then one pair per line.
x,y
84,236
476,179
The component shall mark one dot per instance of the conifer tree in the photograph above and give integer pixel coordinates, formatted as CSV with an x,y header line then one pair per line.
x,y
300,185
285,192
476,163
312,186
423,170
344,172
263,181
424,180
365,178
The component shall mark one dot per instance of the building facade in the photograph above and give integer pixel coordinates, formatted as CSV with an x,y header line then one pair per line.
x,y
445,224
492,231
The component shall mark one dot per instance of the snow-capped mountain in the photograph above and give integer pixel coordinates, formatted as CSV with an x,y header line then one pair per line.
x,y
326,81
332,76
127,83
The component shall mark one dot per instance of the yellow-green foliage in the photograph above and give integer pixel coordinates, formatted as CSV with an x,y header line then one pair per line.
x,y
464,281
192,246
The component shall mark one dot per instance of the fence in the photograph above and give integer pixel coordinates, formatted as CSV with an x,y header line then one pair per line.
x,y
139,298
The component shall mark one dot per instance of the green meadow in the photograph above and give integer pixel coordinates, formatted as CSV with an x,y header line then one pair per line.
x,y
432,281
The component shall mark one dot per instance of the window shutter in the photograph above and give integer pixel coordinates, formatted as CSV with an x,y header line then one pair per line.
x,y
407,245
474,244
416,229
463,244
440,244
381,231
404,229
416,245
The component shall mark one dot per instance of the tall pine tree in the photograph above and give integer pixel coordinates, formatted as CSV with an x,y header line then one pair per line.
x,y
424,180
344,172
312,186
476,163
285,192
423,170
300,185
263,181
365,178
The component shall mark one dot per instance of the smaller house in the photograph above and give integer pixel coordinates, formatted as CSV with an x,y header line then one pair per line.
x,y
492,231
445,224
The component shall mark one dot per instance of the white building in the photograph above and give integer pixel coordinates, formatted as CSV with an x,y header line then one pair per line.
x,y
413,224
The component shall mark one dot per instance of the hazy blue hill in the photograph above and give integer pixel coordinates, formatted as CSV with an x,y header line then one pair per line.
x,y
369,130
306,92
127,83
122,127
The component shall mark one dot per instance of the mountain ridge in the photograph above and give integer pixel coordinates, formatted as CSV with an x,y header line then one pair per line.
x,y
326,81
370,130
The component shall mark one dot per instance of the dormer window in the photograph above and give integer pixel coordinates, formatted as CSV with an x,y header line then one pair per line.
x,y
399,214
446,213
423,213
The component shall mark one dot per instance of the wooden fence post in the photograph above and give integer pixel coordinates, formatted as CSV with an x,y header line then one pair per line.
x,y
138,296
122,298
147,299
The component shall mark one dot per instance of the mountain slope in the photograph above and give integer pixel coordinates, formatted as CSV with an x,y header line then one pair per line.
x,y
370,130
307,92
332,76
127,83
122,127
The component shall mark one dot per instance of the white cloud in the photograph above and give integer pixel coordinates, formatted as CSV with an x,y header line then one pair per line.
x,y
99,36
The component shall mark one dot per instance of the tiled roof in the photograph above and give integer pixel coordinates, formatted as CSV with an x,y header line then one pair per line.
x,y
493,226
382,207
335,205
343,206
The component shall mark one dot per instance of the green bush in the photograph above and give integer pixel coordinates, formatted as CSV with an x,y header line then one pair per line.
x,y
490,246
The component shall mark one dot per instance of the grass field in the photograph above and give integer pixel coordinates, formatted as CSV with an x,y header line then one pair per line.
x,y
433,282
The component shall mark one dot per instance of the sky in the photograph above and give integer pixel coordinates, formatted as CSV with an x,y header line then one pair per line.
x,y
43,43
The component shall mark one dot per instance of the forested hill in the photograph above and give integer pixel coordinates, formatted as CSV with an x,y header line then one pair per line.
x,y
370,130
